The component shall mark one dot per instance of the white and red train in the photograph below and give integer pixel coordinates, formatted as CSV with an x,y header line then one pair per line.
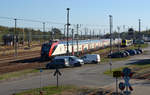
x,y
54,48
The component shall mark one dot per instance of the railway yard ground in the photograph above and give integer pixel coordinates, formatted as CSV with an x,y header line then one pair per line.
x,y
22,73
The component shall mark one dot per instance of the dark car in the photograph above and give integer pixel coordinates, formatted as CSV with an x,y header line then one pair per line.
x,y
117,55
138,41
139,50
57,63
127,53
131,52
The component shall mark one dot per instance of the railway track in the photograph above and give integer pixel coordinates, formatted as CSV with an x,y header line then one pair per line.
x,y
20,47
26,60
22,56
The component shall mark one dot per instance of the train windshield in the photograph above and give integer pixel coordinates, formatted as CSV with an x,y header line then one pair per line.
x,y
123,41
46,47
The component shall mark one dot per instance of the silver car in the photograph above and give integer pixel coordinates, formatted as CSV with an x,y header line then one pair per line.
x,y
73,60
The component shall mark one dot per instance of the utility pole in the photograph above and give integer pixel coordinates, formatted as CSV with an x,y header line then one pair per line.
x,y
81,35
77,38
64,31
15,38
124,28
93,33
52,33
110,22
29,39
90,34
85,33
68,30
23,37
99,34
44,30
139,34
104,33
72,42
118,39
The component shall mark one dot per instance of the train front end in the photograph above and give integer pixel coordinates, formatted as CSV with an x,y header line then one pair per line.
x,y
48,49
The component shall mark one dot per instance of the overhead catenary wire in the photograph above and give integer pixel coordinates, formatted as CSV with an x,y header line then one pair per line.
x,y
95,27
31,20
51,22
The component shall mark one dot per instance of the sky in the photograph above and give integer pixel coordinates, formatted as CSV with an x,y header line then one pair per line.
x,y
88,13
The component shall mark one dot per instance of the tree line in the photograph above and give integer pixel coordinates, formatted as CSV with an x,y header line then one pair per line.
x,y
27,34
30,34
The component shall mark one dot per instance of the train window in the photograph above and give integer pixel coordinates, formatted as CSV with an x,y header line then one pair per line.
x,y
123,41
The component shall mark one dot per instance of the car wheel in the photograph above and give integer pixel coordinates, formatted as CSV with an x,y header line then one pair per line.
x,y
94,62
77,65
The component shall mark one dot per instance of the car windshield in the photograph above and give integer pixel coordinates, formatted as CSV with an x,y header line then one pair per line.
x,y
74,57
58,61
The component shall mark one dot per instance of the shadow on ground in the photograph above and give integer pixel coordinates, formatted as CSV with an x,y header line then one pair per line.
x,y
140,62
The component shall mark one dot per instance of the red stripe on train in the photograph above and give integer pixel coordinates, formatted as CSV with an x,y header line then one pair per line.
x,y
52,47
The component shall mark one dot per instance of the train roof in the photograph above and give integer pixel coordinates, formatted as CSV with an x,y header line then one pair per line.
x,y
82,41
79,42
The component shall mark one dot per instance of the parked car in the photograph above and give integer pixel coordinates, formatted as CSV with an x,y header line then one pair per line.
x,y
58,63
138,52
141,51
127,53
117,55
91,58
132,52
138,41
73,60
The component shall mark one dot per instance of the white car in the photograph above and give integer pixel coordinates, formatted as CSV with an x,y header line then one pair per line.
x,y
73,60
91,58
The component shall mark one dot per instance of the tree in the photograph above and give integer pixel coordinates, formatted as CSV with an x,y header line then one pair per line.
x,y
56,33
131,33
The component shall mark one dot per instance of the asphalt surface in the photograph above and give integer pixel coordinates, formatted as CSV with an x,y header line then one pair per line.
x,y
87,75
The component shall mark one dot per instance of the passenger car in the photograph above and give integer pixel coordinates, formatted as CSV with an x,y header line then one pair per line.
x,y
131,52
91,58
117,55
58,63
73,60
